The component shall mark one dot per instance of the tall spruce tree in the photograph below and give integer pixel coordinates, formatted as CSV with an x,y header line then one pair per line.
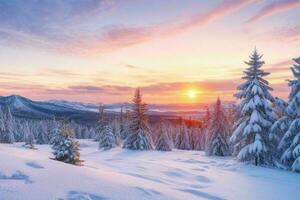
x,y
139,133
256,115
218,133
65,148
290,122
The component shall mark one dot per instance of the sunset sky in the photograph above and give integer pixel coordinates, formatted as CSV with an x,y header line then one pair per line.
x,y
176,51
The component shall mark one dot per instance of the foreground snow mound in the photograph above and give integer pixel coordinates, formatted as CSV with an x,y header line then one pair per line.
x,y
123,174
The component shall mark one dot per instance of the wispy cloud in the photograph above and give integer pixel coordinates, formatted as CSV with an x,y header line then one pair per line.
x,y
71,26
58,72
46,24
286,33
279,67
275,7
119,36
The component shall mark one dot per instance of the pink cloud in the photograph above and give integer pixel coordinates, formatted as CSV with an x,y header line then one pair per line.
x,y
275,7
114,37
279,67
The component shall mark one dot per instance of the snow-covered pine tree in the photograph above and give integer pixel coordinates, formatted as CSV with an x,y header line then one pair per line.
x,y
251,136
232,114
206,120
28,136
18,131
139,134
53,130
115,126
279,106
65,148
6,126
41,137
84,133
101,123
290,142
3,137
182,140
123,120
196,134
107,139
163,142
92,132
199,146
218,132
279,128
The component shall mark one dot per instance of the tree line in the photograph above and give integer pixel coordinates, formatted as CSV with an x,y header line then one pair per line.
x,y
259,129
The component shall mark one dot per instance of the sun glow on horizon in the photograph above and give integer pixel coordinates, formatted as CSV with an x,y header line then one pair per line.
x,y
192,93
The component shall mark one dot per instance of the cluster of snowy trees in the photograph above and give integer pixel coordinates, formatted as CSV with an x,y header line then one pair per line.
x,y
267,131
261,129
129,130
32,132
133,131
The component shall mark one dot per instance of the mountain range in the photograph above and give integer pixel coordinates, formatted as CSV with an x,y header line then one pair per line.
x,y
23,107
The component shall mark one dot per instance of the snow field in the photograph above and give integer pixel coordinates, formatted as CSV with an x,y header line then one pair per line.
x,y
125,174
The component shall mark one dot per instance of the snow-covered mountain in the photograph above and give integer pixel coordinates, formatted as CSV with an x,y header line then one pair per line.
x,y
76,105
26,108
154,109
88,112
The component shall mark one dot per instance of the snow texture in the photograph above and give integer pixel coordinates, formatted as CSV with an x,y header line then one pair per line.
x,y
134,175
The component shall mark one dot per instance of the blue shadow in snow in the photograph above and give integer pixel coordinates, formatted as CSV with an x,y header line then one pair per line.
x,y
73,195
34,165
18,175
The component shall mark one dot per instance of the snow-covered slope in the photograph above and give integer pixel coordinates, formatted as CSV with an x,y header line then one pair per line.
x,y
121,174
23,107
76,105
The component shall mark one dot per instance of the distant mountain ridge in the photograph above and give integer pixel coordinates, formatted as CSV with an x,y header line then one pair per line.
x,y
26,108
23,107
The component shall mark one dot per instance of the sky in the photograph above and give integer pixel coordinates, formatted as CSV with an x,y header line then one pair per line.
x,y
176,52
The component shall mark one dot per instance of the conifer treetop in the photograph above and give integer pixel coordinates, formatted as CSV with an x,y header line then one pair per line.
x,y
255,81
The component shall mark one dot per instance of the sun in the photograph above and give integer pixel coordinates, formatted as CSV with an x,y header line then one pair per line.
x,y
192,94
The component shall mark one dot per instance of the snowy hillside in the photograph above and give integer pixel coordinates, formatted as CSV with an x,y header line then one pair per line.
x,y
76,105
124,174
26,108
